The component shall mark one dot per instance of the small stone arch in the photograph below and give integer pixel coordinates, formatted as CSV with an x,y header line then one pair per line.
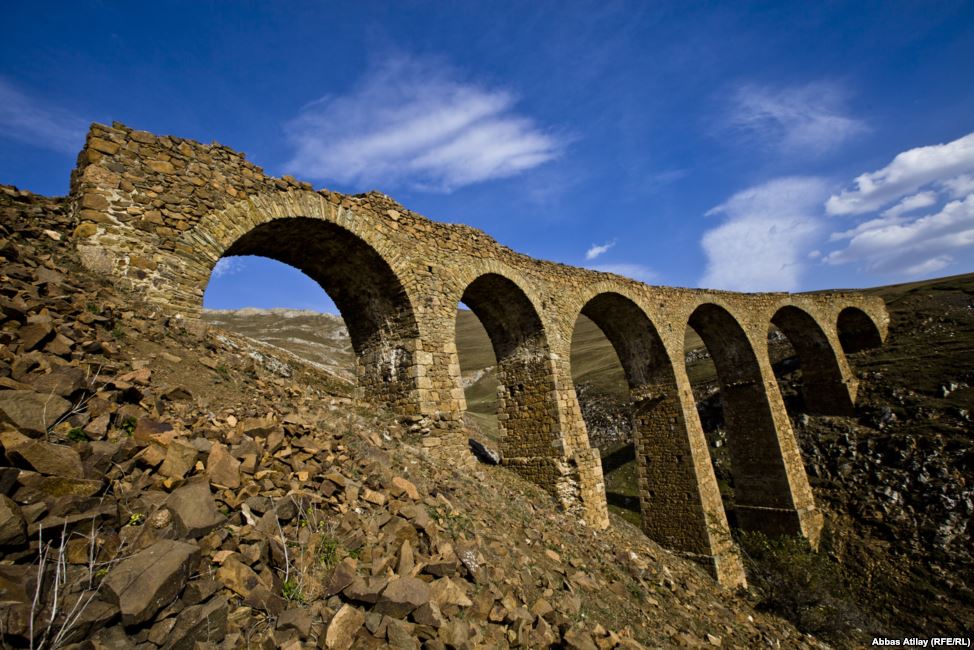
x,y
527,413
633,336
825,376
770,485
857,331
679,499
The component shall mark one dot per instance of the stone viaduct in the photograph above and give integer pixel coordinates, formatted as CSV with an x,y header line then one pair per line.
x,y
158,212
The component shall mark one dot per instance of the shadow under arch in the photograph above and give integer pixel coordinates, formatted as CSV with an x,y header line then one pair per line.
x,y
371,298
771,492
679,502
824,386
527,412
857,331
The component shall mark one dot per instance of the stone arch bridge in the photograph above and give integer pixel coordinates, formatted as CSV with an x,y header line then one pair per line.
x,y
158,212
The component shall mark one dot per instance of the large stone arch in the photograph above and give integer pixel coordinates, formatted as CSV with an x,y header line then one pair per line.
x,y
825,376
771,488
857,331
540,440
679,499
347,257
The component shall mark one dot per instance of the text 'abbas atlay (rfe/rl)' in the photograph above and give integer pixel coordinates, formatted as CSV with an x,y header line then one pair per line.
x,y
918,642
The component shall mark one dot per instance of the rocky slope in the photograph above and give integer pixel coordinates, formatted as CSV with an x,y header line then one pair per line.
x,y
896,482
171,485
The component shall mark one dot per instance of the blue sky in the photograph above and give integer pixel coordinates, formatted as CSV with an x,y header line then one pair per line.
x,y
759,146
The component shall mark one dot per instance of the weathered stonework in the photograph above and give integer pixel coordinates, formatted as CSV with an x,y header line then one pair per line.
x,y
158,212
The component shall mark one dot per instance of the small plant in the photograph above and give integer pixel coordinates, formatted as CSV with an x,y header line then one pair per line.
x,y
455,523
292,591
128,425
136,519
223,371
328,551
54,621
77,434
636,591
118,333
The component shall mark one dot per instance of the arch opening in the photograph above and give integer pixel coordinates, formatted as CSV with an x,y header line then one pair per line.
x,y
366,291
705,388
527,417
857,331
600,385
478,374
757,487
275,303
615,361
603,397
806,365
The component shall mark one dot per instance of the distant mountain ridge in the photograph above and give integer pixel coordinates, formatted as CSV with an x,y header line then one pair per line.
x,y
319,338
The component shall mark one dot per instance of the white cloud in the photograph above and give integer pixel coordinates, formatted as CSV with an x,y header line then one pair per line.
x,y
634,271
931,265
908,171
896,241
911,203
598,249
960,186
412,122
228,266
894,245
762,245
800,119
37,122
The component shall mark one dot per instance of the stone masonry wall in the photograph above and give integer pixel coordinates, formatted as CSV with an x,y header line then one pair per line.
x,y
157,212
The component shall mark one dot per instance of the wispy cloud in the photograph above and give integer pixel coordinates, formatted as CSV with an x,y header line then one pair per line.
x,y
810,119
892,245
909,171
911,204
599,249
38,122
960,186
634,271
413,122
762,244
228,266
924,230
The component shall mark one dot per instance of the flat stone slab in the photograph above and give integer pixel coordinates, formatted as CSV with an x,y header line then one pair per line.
x,y
195,509
151,579
31,411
